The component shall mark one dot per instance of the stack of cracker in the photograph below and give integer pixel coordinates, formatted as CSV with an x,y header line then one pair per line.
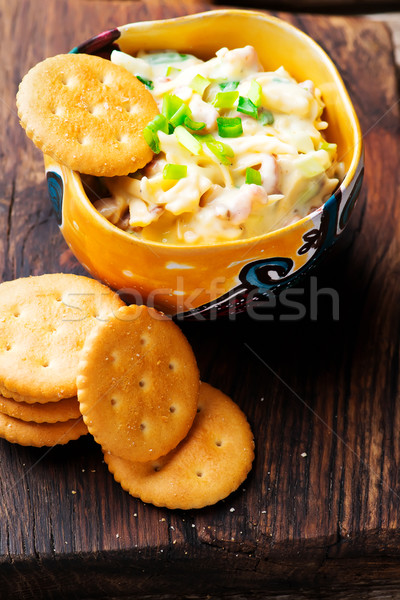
x,y
44,322
70,346
167,438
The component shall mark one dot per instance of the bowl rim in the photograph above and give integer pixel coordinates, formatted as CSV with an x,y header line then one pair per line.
x,y
348,179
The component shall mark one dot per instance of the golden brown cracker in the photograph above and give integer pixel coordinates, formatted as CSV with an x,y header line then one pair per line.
x,y
51,412
27,399
87,113
44,322
27,433
138,384
209,464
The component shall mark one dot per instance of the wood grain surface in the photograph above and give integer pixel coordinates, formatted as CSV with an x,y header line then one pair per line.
x,y
324,6
319,515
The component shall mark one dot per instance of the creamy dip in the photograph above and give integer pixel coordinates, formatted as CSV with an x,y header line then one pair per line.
x,y
238,150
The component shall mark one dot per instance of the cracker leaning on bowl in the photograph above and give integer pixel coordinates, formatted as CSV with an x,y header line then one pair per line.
x,y
88,113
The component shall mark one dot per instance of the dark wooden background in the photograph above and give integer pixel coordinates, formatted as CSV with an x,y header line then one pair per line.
x,y
319,515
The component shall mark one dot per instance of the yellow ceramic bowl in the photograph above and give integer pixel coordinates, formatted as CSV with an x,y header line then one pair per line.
x,y
212,280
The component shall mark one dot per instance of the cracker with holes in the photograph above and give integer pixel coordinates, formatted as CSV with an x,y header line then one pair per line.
x,y
209,464
44,322
51,412
87,113
138,384
28,433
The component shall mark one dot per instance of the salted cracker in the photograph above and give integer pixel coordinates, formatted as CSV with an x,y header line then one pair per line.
x,y
27,433
209,464
138,384
51,412
44,321
87,113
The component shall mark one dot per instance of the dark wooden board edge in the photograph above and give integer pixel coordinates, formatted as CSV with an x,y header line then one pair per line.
x,y
210,577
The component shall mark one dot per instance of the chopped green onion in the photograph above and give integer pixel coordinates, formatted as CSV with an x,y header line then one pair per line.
x,y
222,151
147,82
246,106
199,84
193,125
172,71
229,127
171,104
330,148
159,58
152,140
266,117
187,140
255,93
159,123
174,171
225,99
253,176
229,86
180,115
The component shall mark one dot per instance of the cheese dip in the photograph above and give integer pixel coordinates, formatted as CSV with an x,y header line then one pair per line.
x,y
238,151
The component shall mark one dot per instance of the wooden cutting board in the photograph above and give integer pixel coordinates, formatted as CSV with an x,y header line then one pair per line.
x,y
320,510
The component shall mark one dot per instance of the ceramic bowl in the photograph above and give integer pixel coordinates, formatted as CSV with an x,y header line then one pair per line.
x,y
208,281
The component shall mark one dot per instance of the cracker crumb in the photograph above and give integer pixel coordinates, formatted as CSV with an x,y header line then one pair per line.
x,y
73,491
303,454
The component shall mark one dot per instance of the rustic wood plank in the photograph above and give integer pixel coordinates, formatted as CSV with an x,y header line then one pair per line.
x,y
321,506
324,6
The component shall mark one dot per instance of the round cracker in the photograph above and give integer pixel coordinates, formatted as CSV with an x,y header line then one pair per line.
x,y
138,384
27,399
27,433
51,412
87,113
43,325
209,464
